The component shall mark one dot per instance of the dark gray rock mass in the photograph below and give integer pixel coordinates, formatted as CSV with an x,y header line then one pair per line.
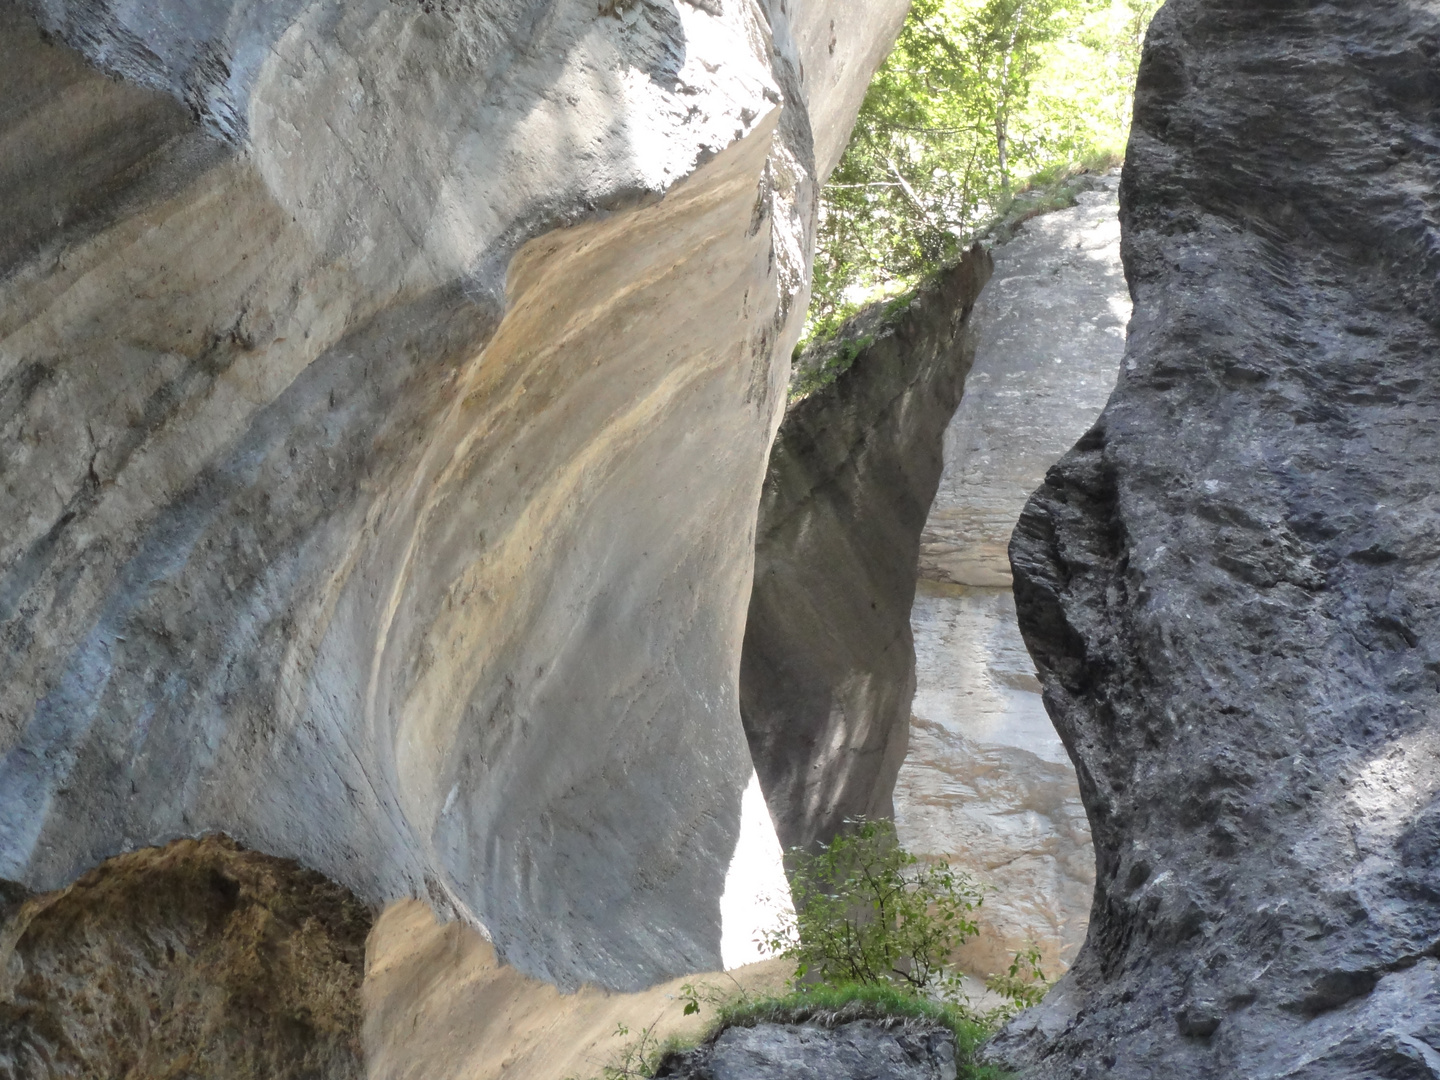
x,y
1231,586
827,668
859,1050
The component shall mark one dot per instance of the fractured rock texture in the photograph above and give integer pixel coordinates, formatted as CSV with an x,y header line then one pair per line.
x,y
1231,586
828,666
385,393
197,959
858,1050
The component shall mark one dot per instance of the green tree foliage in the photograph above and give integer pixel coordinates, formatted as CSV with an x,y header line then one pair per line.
x,y
975,94
868,912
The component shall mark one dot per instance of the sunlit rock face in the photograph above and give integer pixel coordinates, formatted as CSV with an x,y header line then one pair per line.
x,y
828,666
439,1004
385,393
1230,584
986,782
1051,328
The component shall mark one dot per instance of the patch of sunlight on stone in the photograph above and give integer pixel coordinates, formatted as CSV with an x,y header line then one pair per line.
x,y
756,899
986,782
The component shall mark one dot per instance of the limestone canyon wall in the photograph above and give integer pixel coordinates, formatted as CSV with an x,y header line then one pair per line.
x,y
1230,584
986,782
385,394
828,666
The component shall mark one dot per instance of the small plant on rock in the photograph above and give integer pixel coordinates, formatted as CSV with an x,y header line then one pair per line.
x,y
639,1056
1022,986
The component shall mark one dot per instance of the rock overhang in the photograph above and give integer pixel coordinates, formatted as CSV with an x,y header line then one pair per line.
x,y
363,480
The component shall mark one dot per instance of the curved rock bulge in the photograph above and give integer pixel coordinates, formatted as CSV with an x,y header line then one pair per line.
x,y
312,539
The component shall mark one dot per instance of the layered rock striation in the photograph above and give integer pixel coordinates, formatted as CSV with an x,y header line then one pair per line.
x,y
1230,584
828,667
385,393
986,783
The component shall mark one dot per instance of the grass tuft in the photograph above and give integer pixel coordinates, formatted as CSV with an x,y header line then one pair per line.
x,y
837,361
1049,190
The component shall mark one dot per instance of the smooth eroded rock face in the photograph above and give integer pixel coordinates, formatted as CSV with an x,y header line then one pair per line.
x,y
385,393
196,959
828,666
438,1003
1049,331
858,1050
986,783
1230,585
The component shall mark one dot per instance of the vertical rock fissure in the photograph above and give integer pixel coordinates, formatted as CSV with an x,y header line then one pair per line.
x,y
827,669
987,784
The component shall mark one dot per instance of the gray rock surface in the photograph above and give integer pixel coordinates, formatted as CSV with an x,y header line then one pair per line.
x,y
1230,585
1049,331
828,665
859,1050
986,783
385,393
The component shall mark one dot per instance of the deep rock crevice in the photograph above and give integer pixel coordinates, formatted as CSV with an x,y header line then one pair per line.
x,y
828,666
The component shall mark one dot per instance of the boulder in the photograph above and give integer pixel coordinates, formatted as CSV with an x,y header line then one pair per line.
x,y
857,1050
1230,584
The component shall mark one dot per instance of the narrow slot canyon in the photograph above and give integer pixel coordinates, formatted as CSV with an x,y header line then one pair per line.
x,y
481,518
986,782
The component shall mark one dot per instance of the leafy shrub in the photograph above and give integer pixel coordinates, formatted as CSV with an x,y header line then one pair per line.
x,y
869,912
874,935
639,1058
1022,986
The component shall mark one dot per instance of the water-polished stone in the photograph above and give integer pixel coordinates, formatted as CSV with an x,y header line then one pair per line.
x,y
986,782
1050,328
